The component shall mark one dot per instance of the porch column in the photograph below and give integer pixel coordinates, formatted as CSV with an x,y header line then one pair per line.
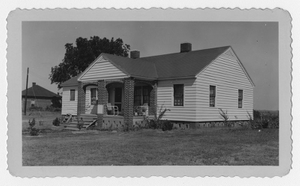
x,y
80,99
153,100
128,101
102,100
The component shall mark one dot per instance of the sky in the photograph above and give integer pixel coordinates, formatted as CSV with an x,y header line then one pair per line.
x,y
255,43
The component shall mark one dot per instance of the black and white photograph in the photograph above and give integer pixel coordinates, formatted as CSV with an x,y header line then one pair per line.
x,y
151,93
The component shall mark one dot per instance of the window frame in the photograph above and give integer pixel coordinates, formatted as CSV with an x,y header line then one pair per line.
x,y
72,96
212,96
93,102
140,94
176,98
240,98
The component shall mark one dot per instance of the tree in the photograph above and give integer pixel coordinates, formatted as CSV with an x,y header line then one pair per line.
x,y
78,58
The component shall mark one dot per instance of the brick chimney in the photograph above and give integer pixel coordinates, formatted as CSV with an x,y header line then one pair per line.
x,y
185,47
134,54
33,83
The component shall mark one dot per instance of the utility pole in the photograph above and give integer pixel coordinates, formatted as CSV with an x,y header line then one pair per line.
x,y
25,107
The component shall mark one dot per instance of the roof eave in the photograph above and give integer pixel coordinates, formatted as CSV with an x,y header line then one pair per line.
x,y
179,77
71,85
243,68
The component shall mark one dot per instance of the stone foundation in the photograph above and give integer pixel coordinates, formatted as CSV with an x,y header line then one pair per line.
x,y
117,122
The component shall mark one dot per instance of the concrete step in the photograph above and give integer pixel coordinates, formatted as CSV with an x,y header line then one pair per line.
x,y
84,122
74,125
71,127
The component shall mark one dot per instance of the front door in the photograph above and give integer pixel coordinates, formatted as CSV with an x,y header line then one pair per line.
x,y
118,98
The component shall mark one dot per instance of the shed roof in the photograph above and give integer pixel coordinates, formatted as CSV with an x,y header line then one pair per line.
x,y
39,92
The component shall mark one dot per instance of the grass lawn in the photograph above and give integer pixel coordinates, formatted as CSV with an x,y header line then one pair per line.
x,y
43,119
205,146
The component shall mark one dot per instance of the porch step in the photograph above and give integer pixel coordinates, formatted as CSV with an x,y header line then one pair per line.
x,y
74,125
88,119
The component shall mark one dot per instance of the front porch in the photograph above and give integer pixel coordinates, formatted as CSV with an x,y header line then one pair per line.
x,y
119,102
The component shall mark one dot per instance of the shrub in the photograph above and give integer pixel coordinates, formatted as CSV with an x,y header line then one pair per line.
x,y
156,122
33,131
166,125
265,123
256,115
274,123
31,123
56,122
273,119
225,117
158,117
80,123
152,124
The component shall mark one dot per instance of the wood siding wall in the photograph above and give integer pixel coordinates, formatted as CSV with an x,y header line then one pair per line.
x,y
69,107
187,112
227,75
102,69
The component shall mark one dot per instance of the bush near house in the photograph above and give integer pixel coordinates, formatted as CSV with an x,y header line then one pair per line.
x,y
56,122
265,119
32,130
166,125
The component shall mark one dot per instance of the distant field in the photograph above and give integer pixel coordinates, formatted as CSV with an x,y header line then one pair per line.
x,y
205,146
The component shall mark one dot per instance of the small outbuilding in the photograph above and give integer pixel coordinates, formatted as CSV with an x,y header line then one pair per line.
x,y
40,98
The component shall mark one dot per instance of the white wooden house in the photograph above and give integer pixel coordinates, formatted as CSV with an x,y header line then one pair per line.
x,y
194,85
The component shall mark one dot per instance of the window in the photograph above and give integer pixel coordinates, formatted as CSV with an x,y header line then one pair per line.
x,y
212,96
178,95
137,96
141,95
146,95
72,95
240,99
93,96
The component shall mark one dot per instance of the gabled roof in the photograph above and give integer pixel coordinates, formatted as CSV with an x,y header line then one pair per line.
x,y
38,92
168,66
134,67
71,82
184,65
